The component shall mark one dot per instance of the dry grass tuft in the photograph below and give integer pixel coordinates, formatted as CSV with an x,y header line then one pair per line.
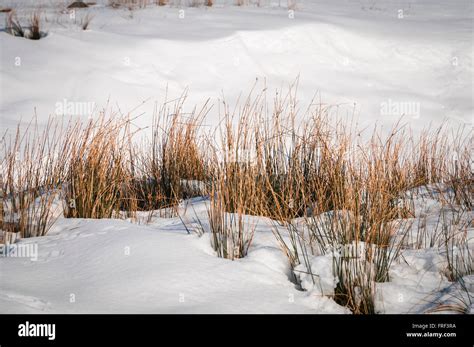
x,y
13,25
98,173
35,21
173,166
32,172
86,21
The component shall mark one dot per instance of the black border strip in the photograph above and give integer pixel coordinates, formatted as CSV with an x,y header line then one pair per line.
x,y
377,330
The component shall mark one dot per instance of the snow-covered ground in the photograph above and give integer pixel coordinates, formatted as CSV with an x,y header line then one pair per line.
x,y
385,58
116,266
388,58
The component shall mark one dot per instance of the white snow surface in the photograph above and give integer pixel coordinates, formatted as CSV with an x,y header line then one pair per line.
x,y
124,266
113,266
378,60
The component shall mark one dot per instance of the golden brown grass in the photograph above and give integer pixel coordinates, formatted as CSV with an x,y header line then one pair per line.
x,y
32,172
98,173
172,166
327,189
231,232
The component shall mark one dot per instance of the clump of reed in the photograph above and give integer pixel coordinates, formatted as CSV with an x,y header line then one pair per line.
x,y
32,170
14,27
98,175
233,183
231,232
173,166
351,199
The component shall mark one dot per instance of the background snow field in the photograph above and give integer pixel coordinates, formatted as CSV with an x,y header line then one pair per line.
x,y
385,58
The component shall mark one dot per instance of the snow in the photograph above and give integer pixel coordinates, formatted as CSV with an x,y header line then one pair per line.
x,y
123,266
114,266
325,281
358,55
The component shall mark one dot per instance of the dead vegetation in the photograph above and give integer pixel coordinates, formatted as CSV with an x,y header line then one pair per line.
x,y
327,190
